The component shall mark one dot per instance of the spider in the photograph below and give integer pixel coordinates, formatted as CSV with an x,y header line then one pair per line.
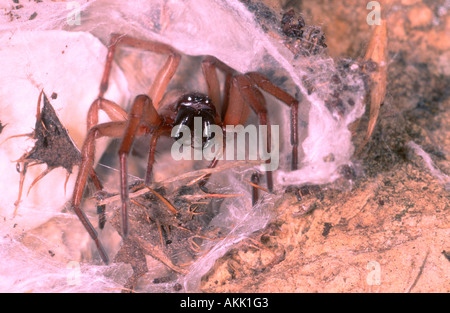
x,y
148,115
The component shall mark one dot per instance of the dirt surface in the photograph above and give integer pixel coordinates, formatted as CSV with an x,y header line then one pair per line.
x,y
386,227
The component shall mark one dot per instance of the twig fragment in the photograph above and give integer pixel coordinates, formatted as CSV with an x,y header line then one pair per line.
x,y
164,200
187,175
376,52
418,274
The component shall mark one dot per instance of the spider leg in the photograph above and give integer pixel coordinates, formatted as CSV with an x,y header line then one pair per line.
x,y
255,191
265,84
112,129
151,158
142,113
243,88
113,110
156,91
205,179
239,95
164,75
115,113
209,65
212,81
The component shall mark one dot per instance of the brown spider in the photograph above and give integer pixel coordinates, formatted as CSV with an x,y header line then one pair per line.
x,y
149,116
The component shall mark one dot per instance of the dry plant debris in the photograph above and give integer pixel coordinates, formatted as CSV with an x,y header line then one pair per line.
x,y
53,146
377,53
169,221
169,226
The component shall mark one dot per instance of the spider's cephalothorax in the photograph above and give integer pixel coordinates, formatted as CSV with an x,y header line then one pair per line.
x,y
189,107
150,115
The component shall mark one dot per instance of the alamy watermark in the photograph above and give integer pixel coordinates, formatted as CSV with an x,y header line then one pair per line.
x,y
374,276
257,143
374,16
73,274
74,16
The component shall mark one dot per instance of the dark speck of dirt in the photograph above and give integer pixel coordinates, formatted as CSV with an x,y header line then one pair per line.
x,y
1,127
347,172
162,280
177,287
446,254
326,229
